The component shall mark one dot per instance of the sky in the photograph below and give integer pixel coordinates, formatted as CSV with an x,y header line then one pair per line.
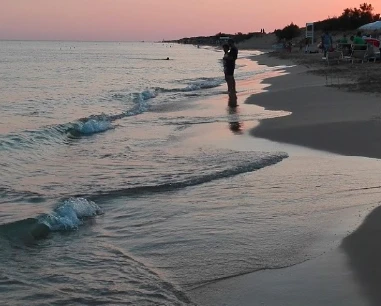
x,y
153,20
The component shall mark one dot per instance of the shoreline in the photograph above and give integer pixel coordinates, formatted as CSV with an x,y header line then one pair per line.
x,y
328,120
322,117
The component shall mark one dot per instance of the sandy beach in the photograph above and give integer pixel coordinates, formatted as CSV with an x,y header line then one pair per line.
x,y
323,117
331,119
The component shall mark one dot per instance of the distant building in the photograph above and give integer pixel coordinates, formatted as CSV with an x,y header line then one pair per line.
x,y
224,39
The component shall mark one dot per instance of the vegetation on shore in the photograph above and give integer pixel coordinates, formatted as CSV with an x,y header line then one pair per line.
x,y
349,20
215,39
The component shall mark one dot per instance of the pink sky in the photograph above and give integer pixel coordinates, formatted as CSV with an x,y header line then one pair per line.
x,y
129,20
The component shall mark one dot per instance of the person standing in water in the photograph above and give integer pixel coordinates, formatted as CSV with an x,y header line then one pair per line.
x,y
225,48
230,66
232,99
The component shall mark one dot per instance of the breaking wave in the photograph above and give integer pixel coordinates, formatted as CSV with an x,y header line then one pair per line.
x,y
68,215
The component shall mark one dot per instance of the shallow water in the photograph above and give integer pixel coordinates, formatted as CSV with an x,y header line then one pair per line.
x,y
127,180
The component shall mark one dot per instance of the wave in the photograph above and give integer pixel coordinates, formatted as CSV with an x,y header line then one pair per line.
x,y
197,84
98,123
68,215
9,195
150,93
203,85
82,127
265,160
89,126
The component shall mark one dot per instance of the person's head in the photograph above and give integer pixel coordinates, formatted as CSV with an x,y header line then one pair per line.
x,y
345,35
351,38
225,47
358,34
231,42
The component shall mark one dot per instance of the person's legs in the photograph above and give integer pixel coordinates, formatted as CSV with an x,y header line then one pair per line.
x,y
229,77
232,86
232,101
227,82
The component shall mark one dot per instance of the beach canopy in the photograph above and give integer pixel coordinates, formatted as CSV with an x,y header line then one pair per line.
x,y
373,41
371,26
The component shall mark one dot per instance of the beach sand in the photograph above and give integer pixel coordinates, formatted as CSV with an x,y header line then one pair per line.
x,y
323,118
263,42
347,272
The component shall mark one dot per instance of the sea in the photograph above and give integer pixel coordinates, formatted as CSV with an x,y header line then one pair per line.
x,y
127,179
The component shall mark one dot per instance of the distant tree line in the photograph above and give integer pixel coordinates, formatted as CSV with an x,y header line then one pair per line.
x,y
215,39
288,32
349,20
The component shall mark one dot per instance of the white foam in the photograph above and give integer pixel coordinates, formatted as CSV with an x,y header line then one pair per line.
x,y
93,126
203,85
70,214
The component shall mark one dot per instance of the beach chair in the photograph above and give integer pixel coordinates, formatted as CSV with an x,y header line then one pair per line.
x,y
346,49
371,54
334,56
359,55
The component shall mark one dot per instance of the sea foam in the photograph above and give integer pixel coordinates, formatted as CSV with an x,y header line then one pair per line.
x,y
70,214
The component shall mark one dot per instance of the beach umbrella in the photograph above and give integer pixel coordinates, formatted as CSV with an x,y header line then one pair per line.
x,y
373,41
371,26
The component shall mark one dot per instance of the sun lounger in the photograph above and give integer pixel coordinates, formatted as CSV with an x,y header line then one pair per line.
x,y
359,55
371,54
359,47
345,48
334,56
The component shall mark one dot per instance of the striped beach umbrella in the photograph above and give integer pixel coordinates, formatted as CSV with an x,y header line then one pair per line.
x,y
375,42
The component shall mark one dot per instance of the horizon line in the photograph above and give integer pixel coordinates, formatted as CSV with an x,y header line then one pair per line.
x,y
74,40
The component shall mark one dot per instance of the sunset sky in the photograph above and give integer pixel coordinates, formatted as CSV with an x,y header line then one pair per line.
x,y
131,20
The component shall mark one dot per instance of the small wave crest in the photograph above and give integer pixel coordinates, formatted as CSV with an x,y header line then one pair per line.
x,y
82,127
89,126
10,195
140,99
147,94
100,123
68,215
195,85
203,85
260,161
136,97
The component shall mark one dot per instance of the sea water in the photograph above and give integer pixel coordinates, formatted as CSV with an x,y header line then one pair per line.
x,y
107,198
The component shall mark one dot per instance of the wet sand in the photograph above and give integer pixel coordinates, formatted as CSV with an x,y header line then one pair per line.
x,y
348,271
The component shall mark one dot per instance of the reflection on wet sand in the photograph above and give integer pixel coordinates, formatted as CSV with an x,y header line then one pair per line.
x,y
232,101
363,249
234,124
